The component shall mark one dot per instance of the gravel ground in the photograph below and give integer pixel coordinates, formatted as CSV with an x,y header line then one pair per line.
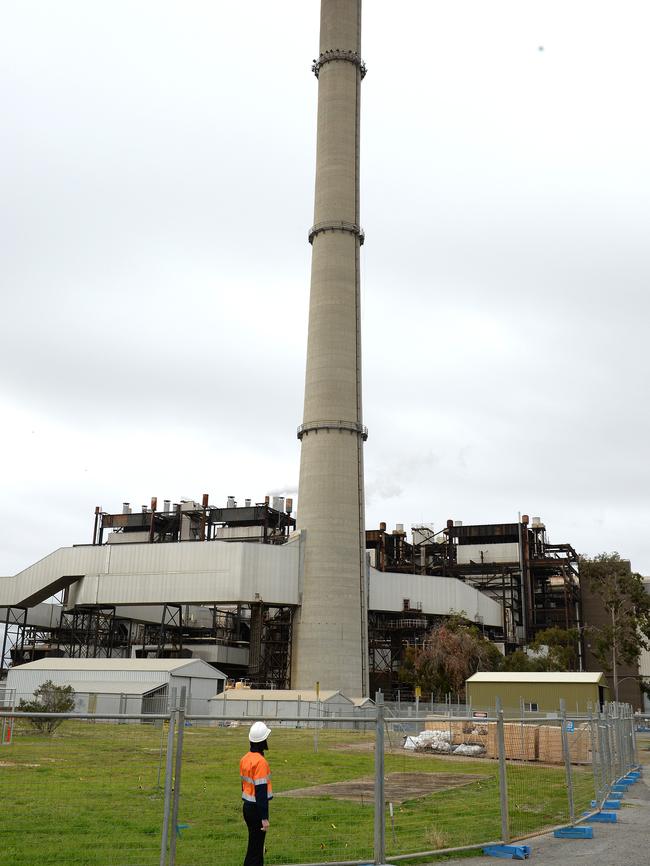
x,y
626,843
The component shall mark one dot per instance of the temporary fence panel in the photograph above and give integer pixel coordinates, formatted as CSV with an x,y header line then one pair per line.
x,y
322,809
82,793
113,702
535,775
440,791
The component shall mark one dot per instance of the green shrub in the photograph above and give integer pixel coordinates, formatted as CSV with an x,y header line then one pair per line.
x,y
49,698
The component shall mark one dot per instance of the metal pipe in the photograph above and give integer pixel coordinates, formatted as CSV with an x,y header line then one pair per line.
x,y
380,826
66,716
567,762
443,851
168,781
592,736
522,581
98,510
503,775
180,717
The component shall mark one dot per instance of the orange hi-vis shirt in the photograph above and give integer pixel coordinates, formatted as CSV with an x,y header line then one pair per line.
x,y
254,770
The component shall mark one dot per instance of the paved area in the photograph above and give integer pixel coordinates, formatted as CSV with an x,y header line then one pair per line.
x,y
626,843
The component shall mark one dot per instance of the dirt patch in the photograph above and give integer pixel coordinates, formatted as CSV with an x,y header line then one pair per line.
x,y
398,787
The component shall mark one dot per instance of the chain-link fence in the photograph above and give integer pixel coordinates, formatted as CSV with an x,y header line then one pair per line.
x,y
163,788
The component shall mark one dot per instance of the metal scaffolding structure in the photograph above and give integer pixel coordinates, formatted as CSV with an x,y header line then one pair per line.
x,y
87,632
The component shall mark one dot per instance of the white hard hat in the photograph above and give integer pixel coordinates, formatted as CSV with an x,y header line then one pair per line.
x,y
258,732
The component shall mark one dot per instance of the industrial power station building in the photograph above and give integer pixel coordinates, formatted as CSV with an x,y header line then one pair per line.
x,y
223,584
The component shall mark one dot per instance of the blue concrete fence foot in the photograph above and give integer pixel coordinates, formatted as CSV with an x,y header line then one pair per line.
x,y
603,817
584,832
508,852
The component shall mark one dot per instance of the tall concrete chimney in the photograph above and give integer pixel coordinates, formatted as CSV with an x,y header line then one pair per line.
x,y
330,643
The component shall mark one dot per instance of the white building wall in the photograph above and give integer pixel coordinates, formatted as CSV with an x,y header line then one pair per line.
x,y
479,553
190,572
436,595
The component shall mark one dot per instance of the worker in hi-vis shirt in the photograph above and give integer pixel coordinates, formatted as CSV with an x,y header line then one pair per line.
x,y
256,791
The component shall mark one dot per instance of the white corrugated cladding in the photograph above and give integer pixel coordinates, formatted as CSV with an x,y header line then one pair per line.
x,y
70,561
194,572
191,572
44,616
93,687
437,595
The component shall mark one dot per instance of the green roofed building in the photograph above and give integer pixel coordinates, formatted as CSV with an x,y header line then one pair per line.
x,y
537,692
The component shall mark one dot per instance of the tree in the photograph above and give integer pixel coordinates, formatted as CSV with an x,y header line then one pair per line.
x,y
562,649
519,661
50,698
627,605
450,653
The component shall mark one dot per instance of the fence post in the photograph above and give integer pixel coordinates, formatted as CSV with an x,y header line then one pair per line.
x,y
629,737
180,718
168,780
604,754
567,762
503,775
615,749
380,824
594,747
620,761
609,767
635,756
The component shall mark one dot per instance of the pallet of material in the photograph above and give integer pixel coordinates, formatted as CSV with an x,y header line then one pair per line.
x,y
521,741
466,732
550,744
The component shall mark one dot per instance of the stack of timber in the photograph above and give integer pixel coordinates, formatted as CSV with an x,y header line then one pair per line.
x,y
521,741
550,744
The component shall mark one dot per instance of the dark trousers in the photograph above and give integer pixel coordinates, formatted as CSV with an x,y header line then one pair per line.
x,y
256,836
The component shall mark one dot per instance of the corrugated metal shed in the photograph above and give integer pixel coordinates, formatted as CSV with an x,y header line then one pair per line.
x,y
537,693
122,676
279,704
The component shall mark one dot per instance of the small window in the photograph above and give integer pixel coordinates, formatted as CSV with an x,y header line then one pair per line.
x,y
531,708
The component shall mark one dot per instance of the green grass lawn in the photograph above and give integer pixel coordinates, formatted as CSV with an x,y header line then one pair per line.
x,y
89,795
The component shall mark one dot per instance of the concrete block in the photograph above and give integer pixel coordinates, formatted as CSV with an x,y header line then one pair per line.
x,y
582,832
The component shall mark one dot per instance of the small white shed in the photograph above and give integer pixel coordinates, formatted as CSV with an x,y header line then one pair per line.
x,y
278,704
122,685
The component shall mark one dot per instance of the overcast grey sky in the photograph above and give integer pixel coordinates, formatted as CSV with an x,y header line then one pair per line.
x,y
156,168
